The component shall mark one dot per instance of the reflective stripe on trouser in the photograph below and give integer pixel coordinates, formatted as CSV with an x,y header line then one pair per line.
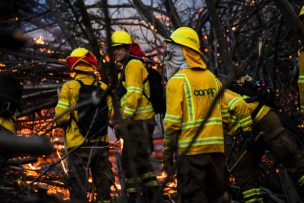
x,y
149,179
103,201
132,184
252,195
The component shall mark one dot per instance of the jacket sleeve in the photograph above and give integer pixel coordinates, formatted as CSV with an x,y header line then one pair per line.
x,y
134,85
62,116
239,110
301,82
173,117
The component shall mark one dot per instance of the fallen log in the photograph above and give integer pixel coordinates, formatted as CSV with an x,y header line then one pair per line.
x,y
11,144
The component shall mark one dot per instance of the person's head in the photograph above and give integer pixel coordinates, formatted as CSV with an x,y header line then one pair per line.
x,y
301,15
187,37
183,49
82,59
121,42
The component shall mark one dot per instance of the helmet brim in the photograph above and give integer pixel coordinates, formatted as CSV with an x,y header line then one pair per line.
x,y
120,45
169,40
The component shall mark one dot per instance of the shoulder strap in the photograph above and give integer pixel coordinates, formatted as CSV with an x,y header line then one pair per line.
x,y
145,80
256,110
80,82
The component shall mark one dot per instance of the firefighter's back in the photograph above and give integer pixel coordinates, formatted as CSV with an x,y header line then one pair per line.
x,y
198,88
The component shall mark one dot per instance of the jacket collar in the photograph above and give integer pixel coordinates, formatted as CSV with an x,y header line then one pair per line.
x,y
193,59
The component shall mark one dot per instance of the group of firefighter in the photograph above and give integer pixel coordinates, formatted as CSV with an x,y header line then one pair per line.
x,y
197,157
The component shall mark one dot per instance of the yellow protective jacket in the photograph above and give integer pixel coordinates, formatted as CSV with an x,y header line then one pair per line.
x,y
134,104
236,114
301,82
261,113
67,99
235,126
8,123
190,93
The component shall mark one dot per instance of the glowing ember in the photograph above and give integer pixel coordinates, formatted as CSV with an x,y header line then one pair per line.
x,y
39,40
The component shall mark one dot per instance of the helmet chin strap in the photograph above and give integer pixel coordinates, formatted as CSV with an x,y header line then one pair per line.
x,y
176,61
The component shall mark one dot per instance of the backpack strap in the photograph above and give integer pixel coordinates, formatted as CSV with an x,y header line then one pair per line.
x,y
80,82
146,80
256,110
146,95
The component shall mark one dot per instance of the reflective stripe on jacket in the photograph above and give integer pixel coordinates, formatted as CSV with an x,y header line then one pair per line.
x,y
301,81
262,112
236,113
68,98
134,104
190,93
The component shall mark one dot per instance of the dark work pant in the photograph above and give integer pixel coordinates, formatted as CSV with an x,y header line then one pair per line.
x,y
137,149
3,160
100,167
200,178
283,149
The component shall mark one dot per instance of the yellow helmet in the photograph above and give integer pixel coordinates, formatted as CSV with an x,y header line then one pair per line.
x,y
185,36
302,11
121,37
82,55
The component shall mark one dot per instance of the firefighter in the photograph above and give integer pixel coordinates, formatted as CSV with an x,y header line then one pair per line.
x,y
274,138
190,91
83,152
10,101
138,116
301,70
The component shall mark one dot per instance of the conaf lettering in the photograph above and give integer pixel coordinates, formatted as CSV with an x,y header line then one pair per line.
x,y
204,92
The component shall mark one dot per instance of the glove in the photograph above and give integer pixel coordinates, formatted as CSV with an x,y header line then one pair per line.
x,y
127,122
168,162
118,127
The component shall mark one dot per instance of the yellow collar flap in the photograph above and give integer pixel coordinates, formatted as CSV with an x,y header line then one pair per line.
x,y
193,59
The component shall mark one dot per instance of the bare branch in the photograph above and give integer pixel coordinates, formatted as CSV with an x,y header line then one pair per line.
x,y
172,13
223,47
68,35
146,13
